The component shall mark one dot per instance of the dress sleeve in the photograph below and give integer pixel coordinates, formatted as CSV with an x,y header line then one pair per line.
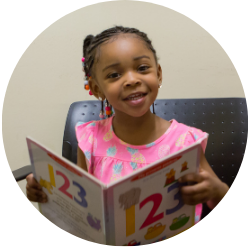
x,y
85,134
194,134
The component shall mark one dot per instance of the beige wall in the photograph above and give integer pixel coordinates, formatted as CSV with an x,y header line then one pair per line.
x,y
48,77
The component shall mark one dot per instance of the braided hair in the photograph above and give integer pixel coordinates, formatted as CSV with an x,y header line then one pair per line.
x,y
92,44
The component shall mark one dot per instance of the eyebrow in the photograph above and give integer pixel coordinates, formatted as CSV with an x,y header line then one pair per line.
x,y
112,65
115,64
140,57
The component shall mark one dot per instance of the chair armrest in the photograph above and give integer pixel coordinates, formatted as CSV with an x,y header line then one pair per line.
x,y
21,173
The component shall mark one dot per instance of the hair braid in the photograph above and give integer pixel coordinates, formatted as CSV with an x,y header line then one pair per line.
x,y
92,43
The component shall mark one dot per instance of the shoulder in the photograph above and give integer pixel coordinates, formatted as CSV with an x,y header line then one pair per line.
x,y
91,127
183,128
84,128
187,134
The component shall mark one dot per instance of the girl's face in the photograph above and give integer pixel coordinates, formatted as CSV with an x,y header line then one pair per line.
x,y
126,73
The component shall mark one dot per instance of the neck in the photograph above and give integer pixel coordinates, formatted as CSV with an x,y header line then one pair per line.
x,y
134,130
130,123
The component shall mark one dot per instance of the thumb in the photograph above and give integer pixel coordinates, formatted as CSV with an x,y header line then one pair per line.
x,y
201,170
32,182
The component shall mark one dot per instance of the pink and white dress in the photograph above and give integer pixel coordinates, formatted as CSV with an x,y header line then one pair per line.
x,y
108,158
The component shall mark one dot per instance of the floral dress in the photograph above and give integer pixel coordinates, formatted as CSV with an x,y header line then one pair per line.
x,y
108,158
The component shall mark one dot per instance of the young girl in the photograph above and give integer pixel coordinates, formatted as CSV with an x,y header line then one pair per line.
x,y
122,68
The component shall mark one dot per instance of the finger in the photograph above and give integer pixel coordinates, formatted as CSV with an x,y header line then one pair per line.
x,y
36,198
35,192
191,190
195,199
35,195
43,200
192,177
32,198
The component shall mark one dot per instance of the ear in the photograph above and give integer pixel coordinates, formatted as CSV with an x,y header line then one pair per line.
x,y
95,89
159,73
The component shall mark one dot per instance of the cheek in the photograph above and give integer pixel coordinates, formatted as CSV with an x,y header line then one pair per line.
x,y
154,85
111,93
152,79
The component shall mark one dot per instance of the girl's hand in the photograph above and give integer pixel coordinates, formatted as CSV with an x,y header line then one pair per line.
x,y
34,190
207,188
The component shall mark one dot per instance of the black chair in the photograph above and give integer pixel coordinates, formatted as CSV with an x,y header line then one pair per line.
x,y
225,119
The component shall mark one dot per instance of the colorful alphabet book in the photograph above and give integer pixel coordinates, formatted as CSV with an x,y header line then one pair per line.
x,y
140,208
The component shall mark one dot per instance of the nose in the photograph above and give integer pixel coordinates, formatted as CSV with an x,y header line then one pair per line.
x,y
132,79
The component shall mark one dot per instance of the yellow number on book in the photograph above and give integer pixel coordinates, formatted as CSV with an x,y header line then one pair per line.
x,y
52,176
130,220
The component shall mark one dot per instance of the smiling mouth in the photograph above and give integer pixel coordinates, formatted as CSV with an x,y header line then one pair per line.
x,y
135,97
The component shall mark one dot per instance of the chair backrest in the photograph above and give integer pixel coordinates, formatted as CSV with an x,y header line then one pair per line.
x,y
225,119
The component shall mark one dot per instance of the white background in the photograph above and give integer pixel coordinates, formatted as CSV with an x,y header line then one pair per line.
x,y
22,226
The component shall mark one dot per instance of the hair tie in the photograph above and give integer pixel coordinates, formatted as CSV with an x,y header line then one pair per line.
x,y
83,60
108,107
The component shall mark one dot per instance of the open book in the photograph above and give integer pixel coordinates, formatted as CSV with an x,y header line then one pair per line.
x,y
140,208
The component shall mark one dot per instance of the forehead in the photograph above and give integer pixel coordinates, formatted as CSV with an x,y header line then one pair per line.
x,y
121,47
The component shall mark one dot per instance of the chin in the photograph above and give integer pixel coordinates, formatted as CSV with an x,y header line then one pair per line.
x,y
137,114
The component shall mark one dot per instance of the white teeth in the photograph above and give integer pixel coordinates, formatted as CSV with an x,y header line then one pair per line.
x,y
135,98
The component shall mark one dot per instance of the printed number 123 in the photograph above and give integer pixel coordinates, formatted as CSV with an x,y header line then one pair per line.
x,y
66,185
157,199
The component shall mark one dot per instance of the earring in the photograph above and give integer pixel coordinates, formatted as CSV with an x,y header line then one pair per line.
x,y
86,83
108,108
87,77
160,85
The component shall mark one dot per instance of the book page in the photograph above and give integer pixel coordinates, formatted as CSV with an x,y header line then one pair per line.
x,y
148,205
75,202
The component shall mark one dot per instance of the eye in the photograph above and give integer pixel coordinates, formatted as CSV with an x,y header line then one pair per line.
x,y
143,68
113,75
